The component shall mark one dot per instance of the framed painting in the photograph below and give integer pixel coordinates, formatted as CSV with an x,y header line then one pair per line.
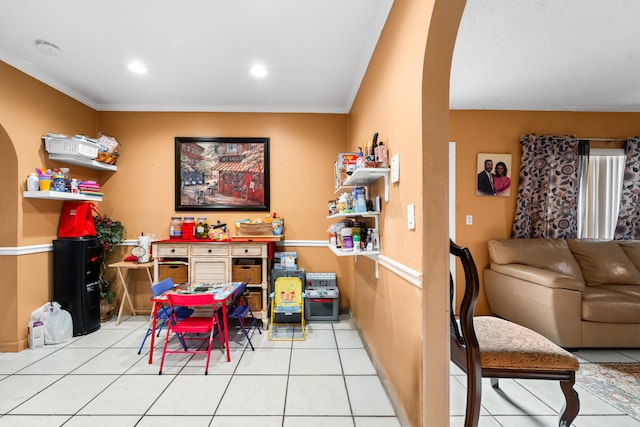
x,y
221,174
494,174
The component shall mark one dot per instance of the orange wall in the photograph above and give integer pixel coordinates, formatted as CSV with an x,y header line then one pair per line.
x,y
29,109
302,149
389,103
404,92
499,132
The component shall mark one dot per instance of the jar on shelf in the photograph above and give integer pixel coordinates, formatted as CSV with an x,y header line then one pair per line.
x,y
202,228
188,228
347,239
175,227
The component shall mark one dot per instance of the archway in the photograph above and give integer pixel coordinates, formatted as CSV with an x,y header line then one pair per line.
x,y
9,212
443,30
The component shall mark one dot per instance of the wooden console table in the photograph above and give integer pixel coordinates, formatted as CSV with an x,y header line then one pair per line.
x,y
209,261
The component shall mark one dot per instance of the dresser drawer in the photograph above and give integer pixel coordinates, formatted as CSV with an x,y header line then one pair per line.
x,y
210,250
172,250
246,250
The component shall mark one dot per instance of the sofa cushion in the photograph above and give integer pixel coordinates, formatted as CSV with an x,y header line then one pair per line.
x,y
549,254
632,290
603,261
600,304
631,249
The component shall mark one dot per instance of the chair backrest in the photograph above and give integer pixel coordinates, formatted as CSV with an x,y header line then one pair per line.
x,y
465,350
240,290
288,291
191,300
162,286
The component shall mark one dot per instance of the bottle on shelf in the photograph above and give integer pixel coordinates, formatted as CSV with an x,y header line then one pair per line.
x,y
382,158
32,182
74,186
374,145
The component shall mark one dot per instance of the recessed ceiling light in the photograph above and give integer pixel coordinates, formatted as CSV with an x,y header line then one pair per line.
x,y
138,68
47,47
259,70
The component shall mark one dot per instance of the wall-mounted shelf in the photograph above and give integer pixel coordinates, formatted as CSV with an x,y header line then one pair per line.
x,y
365,176
353,253
59,195
373,255
357,214
340,252
82,161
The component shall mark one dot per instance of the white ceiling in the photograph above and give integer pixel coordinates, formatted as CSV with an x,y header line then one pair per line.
x,y
575,55
198,52
579,55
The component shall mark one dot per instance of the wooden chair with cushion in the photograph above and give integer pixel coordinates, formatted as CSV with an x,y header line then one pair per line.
x,y
495,348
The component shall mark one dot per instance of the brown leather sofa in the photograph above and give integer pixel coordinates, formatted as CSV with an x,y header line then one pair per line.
x,y
578,293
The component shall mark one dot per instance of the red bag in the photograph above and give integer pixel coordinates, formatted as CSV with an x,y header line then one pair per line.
x,y
77,219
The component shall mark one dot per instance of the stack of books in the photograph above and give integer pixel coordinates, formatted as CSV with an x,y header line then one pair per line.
x,y
90,188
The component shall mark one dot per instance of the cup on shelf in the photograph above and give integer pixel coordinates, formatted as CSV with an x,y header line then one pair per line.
x,y
45,182
58,183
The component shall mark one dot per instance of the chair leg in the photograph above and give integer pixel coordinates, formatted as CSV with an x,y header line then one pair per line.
x,y
474,398
572,403
246,333
206,368
144,340
164,350
184,344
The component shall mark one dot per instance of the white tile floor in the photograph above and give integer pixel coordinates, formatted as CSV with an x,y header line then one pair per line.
x,y
536,402
327,380
100,380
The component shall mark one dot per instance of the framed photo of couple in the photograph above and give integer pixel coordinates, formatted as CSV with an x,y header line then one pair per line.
x,y
493,174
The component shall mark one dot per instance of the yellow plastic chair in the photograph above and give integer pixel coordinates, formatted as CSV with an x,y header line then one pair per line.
x,y
287,301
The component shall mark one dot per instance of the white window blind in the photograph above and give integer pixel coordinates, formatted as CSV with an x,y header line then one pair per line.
x,y
600,201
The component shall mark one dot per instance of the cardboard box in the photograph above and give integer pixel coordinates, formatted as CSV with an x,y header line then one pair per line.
x,y
36,334
285,260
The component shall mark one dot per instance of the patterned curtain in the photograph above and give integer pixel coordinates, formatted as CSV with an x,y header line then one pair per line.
x,y
548,190
628,226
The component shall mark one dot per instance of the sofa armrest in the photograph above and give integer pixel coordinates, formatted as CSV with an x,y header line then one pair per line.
x,y
540,276
539,304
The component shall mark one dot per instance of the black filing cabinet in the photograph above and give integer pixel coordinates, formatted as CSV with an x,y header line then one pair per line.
x,y
76,281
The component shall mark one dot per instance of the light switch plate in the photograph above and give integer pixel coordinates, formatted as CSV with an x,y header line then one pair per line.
x,y
395,168
411,216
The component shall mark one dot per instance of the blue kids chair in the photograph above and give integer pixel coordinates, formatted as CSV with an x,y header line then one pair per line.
x,y
164,312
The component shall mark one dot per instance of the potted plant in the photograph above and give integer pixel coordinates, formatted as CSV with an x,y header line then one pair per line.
x,y
109,233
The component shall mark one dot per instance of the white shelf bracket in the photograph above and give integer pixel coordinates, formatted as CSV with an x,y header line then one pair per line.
x,y
375,260
386,187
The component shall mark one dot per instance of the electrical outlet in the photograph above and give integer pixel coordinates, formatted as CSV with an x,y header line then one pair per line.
x,y
469,220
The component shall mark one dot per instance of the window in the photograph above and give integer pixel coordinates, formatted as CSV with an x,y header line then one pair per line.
x,y
599,196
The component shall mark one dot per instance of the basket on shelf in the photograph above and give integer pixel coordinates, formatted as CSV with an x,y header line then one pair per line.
x,y
254,298
177,272
73,146
255,229
109,159
240,273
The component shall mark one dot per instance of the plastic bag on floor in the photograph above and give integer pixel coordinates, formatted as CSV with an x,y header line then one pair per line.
x,y
58,325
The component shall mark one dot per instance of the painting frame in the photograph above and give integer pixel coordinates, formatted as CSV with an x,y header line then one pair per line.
x,y
492,183
222,174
